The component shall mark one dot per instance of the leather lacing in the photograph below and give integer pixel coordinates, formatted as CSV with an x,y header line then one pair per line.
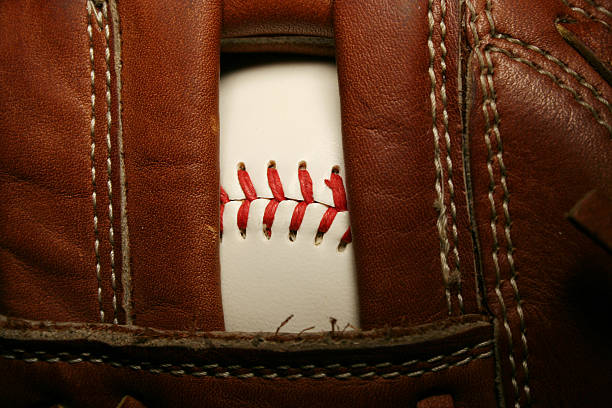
x,y
335,183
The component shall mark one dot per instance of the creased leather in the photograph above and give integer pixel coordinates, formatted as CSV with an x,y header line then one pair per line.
x,y
539,141
47,215
171,140
280,26
454,359
389,145
248,18
528,123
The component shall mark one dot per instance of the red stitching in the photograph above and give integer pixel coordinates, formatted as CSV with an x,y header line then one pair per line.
x,y
335,183
224,200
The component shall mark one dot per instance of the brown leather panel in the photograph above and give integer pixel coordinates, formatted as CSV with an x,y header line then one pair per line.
x,y
170,134
395,163
544,117
394,367
248,18
46,208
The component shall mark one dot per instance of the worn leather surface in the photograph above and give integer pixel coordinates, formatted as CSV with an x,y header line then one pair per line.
x,y
385,367
395,163
47,240
170,131
284,26
539,137
493,89
244,18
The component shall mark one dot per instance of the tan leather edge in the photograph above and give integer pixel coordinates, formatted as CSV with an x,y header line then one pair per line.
x,y
126,275
28,330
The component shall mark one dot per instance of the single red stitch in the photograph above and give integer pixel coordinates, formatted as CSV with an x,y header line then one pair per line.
x,y
247,185
298,216
326,220
224,197
268,217
347,237
300,209
249,192
224,200
276,186
243,216
336,185
306,185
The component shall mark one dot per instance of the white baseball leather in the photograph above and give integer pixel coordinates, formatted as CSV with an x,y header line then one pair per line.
x,y
288,113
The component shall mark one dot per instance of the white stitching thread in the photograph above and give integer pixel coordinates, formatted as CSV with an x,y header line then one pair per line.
x,y
585,13
565,67
449,162
558,82
109,182
92,131
280,371
490,99
439,186
508,222
600,8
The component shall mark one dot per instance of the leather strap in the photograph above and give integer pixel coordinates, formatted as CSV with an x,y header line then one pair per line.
x,y
170,72
398,71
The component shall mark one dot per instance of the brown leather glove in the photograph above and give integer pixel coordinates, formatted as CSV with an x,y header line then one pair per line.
x,y
474,130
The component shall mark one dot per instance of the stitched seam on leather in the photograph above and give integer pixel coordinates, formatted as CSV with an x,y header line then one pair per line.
x,y
360,370
600,8
125,242
439,185
494,126
564,66
557,81
587,14
91,10
449,163
109,173
469,18
488,100
335,183
493,220
17,329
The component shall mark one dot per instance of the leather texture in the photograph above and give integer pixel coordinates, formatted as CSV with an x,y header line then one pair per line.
x,y
294,26
46,206
539,136
593,216
171,140
384,367
397,168
471,129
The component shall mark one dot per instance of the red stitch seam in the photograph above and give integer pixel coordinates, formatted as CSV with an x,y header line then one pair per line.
x,y
335,183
